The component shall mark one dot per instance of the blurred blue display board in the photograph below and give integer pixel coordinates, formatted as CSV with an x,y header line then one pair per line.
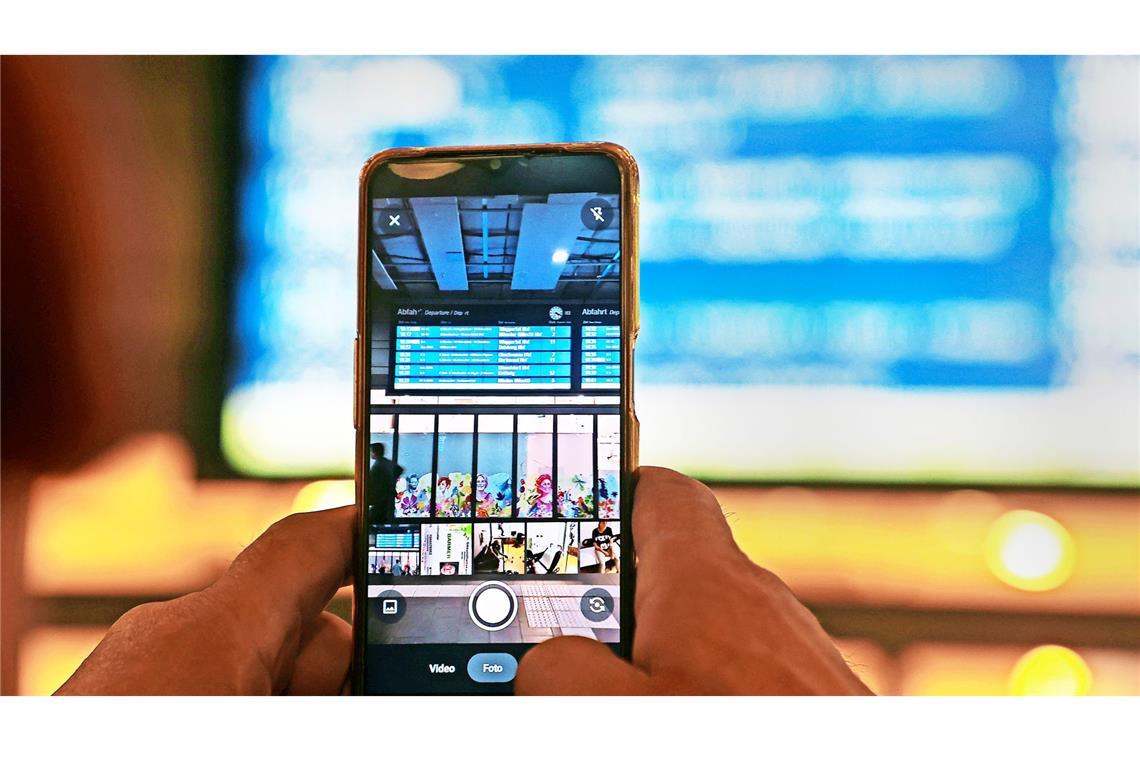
x,y
852,269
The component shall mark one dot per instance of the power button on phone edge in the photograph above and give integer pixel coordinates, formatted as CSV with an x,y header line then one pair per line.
x,y
355,383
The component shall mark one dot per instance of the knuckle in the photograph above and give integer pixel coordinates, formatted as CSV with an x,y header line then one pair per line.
x,y
306,526
280,533
768,579
287,524
162,619
171,612
143,615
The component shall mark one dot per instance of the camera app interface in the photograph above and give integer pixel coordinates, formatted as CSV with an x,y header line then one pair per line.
x,y
493,491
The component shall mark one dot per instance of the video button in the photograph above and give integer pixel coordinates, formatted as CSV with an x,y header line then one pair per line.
x,y
492,667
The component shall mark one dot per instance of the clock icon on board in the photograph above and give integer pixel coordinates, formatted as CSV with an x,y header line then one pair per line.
x,y
556,313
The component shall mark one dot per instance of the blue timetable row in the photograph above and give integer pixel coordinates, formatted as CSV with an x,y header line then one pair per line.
x,y
483,331
483,357
477,370
483,344
547,383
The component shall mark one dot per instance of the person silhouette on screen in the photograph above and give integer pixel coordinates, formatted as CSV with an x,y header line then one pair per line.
x,y
382,476
603,537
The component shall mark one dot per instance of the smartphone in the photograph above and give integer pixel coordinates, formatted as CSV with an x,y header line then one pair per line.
x,y
496,433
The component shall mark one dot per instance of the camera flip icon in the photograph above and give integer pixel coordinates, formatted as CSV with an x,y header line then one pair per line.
x,y
597,604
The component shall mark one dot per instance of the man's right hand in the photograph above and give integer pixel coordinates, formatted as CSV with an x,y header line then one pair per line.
x,y
709,621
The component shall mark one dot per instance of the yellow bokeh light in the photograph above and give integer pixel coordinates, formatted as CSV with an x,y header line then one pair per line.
x,y
50,654
1030,551
1050,671
325,494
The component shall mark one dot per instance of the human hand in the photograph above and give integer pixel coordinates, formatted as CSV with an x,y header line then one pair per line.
x,y
709,621
259,629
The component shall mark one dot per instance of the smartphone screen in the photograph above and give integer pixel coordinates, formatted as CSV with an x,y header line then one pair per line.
x,y
494,392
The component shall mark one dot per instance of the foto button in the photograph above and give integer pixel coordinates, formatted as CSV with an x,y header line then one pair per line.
x,y
492,667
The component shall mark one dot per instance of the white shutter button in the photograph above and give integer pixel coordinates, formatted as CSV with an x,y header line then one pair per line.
x,y
493,606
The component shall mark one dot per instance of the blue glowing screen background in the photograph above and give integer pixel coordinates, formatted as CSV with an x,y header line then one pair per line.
x,y
852,269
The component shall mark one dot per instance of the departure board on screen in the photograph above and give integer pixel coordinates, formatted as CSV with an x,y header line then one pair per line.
x,y
512,347
476,356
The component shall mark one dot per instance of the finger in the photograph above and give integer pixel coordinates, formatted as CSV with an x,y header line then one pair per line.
x,y
284,579
321,667
675,517
574,665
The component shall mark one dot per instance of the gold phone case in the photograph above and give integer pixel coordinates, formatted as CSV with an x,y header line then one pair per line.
x,y
630,324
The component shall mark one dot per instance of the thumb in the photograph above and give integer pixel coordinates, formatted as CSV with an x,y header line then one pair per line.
x,y
574,665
